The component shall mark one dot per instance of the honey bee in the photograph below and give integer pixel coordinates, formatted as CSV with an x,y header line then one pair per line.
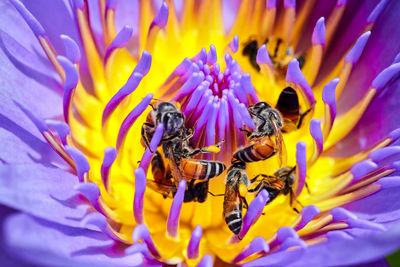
x,y
281,182
279,53
181,165
268,122
288,106
236,184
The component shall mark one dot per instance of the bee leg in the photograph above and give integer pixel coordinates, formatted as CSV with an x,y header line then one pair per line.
x,y
245,204
307,187
189,134
245,130
291,194
145,133
260,175
216,195
302,117
204,150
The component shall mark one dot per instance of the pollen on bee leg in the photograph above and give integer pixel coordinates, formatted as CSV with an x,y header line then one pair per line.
x,y
194,242
253,213
175,211
257,245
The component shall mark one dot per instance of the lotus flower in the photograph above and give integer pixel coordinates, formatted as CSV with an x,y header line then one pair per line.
x,y
79,79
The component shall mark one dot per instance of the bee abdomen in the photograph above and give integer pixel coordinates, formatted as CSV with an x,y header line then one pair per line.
x,y
234,221
248,154
202,169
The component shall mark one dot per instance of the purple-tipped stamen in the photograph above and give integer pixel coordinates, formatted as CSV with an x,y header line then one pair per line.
x,y
93,9
92,192
271,4
282,235
99,221
340,3
127,89
338,236
301,166
202,55
234,44
377,11
142,232
295,76
131,118
245,81
32,22
175,211
138,200
110,154
79,4
257,245
40,124
318,35
81,163
383,78
389,182
362,168
206,261
70,83
316,133
291,243
354,54
148,153
384,153
211,128
111,4
307,214
121,40
188,87
72,50
253,213
162,17
289,3
62,129
329,98
212,55
194,242
263,56
222,119
341,214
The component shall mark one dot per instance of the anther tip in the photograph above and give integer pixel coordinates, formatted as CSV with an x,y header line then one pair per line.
x,y
162,17
318,35
354,54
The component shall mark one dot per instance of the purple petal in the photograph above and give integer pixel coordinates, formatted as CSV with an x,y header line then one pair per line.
x,y
28,238
45,192
308,213
363,168
194,242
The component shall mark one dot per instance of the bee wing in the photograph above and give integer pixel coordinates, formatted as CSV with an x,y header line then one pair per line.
x,y
280,146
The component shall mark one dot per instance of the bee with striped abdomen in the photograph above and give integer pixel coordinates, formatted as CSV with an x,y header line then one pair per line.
x,y
236,184
268,122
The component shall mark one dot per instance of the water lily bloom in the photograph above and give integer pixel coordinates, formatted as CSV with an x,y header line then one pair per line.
x,y
79,79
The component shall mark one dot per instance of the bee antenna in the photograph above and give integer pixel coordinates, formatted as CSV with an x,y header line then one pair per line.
x,y
151,105
216,195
